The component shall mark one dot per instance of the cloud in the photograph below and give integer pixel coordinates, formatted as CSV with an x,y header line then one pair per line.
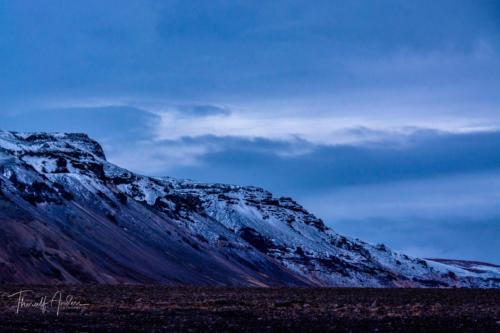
x,y
202,110
301,168
320,128
441,216
336,22
286,152
115,127
159,158
169,157
428,237
453,196
240,50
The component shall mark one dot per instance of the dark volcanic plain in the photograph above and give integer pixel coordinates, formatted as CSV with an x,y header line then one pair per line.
x,y
118,308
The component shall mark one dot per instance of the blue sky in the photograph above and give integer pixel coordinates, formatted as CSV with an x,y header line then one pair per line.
x,y
382,117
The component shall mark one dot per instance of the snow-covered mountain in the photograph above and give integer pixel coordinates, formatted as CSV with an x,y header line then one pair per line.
x,y
67,215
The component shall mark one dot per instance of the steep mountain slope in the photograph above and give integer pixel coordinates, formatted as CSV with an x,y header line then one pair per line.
x,y
67,215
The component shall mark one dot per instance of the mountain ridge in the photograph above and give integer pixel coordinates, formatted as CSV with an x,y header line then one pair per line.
x,y
69,216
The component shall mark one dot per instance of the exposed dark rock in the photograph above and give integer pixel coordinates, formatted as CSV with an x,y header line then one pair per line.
x,y
261,243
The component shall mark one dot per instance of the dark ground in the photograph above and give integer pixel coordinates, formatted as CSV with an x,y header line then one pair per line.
x,y
168,309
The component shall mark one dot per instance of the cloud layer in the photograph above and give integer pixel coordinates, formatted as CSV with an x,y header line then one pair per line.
x,y
443,216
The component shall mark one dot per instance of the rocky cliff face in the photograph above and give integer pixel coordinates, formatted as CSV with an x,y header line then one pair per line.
x,y
69,216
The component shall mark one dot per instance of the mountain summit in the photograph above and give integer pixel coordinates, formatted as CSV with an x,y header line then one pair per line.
x,y
67,215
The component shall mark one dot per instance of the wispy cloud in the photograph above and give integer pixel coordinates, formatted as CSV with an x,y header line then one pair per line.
x,y
319,128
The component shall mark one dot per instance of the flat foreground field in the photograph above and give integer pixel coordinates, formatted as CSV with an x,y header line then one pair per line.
x,y
103,308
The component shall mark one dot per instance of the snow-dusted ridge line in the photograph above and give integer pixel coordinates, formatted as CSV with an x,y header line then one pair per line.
x,y
92,221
